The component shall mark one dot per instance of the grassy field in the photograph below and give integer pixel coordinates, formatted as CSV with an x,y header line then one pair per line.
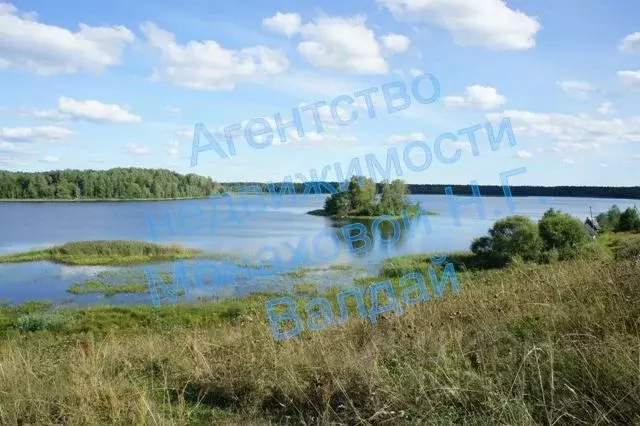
x,y
104,253
526,344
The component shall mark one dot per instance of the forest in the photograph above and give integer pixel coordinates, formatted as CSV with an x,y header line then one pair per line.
x,y
138,183
119,183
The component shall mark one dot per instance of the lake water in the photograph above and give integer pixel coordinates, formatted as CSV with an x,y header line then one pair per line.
x,y
246,225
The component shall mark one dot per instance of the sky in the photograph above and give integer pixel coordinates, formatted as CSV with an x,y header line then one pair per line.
x,y
96,85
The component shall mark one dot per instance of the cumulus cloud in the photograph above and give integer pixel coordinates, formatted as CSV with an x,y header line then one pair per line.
x,y
629,78
418,136
48,49
606,108
481,97
577,89
630,44
524,154
89,110
486,23
284,23
135,149
205,65
95,111
396,43
174,148
34,134
344,44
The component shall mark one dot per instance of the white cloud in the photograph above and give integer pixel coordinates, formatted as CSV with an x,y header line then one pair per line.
x,y
95,111
184,133
174,148
606,108
486,23
569,161
396,43
135,149
629,78
630,44
34,134
345,44
47,49
416,72
603,165
284,23
49,159
571,132
482,97
524,154
418,136
173,110
205,65
577,89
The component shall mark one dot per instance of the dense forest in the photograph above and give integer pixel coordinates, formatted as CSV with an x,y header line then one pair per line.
x,y
621,192
136,183
120,183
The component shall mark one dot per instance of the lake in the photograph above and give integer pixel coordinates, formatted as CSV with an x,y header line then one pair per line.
x,y
244,225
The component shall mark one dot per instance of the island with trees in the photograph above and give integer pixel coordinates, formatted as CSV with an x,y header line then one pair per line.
x,y
361,201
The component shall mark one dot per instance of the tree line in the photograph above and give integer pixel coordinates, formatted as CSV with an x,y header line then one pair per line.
x,y
119,183
137,183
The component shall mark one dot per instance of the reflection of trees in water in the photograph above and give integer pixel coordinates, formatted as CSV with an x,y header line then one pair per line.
x,y
382,235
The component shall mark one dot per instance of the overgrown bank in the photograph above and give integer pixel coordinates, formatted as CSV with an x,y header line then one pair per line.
x,y
528,344
114,252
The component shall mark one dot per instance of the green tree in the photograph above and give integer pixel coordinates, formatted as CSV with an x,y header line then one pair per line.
x,y
516,236
610,220
562,232
362,194
393,197
629,220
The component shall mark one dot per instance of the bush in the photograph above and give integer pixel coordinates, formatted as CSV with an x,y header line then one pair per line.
x,y
610,220
629,220
41,321
516,236
562,233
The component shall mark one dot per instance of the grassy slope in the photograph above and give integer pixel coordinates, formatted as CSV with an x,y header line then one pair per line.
x,y
104,253
524,345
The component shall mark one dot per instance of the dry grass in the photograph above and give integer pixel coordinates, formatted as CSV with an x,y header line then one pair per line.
x,y
542,344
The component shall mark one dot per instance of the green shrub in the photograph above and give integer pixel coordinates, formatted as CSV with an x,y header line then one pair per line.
x,y
610,220
629,220
563,233
41,321
516,236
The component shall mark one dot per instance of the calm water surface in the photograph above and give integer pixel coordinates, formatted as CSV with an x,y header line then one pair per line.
x,y
244,225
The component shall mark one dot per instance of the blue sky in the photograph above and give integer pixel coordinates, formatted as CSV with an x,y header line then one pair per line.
x,y
119,83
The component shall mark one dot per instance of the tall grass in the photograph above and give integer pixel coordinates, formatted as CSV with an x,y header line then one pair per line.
x,y
530,344
104,253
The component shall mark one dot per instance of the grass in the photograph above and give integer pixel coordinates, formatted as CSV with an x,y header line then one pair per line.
x,y
104,253
526,344
97,286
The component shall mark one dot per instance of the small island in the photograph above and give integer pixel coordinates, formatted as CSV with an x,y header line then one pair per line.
x,y
361,201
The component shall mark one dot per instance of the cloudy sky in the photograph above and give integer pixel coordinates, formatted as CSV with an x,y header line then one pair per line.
x,y
89,84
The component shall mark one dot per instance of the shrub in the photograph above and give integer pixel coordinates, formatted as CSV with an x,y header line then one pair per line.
x,y
610,220
562,232
41,321
516,236
629,220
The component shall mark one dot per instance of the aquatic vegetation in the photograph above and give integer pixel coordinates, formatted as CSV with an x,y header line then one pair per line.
x,y
104,253
96,286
